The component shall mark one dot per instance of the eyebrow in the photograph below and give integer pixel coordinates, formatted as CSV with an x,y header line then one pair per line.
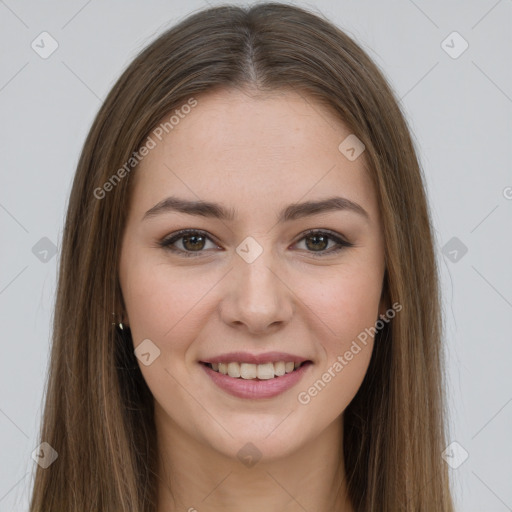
x,y
289,213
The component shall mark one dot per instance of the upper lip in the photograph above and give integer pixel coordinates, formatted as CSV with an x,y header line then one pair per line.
x,y
247,357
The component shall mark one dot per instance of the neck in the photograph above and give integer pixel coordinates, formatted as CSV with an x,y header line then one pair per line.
x,y
194,477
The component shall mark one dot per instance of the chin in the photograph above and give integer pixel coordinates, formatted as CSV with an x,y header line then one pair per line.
x,y
250,441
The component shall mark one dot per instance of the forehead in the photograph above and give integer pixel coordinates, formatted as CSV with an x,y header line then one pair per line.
x,y
236,147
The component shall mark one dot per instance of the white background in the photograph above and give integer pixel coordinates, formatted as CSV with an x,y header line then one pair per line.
x,y
459,110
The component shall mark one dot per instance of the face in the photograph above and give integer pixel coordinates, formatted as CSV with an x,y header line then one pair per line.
x,y
258,282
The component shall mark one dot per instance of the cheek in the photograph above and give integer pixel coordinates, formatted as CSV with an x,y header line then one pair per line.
x,y
163,304
327,396
346,307
349,307
346,302
150,306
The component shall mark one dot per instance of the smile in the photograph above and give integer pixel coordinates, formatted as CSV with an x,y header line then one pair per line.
x,y
256,381
250,371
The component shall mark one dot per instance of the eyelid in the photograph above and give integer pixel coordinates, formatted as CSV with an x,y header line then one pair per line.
x,y
341,242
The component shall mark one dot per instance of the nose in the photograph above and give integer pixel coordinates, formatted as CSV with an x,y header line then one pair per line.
x,y
257,297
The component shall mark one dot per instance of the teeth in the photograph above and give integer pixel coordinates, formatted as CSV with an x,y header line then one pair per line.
x,y
234,370
279,369
265,371
252,371
247,371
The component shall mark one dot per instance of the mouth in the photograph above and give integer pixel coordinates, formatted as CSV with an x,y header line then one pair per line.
x,y
256,381
256,372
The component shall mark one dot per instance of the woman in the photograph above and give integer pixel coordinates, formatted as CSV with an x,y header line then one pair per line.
x,y
247,314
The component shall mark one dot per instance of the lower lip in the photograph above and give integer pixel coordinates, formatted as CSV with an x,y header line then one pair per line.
x,y
245,388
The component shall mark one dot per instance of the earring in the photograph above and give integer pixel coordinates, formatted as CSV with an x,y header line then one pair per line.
x,y
124,331
125,354
120,327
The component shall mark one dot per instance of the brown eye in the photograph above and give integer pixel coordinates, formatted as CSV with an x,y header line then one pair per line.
x,y
318,241
192,242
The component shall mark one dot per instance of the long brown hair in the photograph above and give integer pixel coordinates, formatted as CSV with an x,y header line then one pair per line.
x,y
98,412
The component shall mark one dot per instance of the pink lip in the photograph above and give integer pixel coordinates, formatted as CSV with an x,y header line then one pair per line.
x,y
254,389
246,357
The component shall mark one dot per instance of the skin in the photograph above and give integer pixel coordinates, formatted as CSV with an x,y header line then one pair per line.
x,y
256,154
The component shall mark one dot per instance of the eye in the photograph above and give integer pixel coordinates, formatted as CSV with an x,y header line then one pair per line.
x,y
320,240
194,240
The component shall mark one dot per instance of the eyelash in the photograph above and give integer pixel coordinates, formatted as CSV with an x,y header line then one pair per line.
x,y
167,242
